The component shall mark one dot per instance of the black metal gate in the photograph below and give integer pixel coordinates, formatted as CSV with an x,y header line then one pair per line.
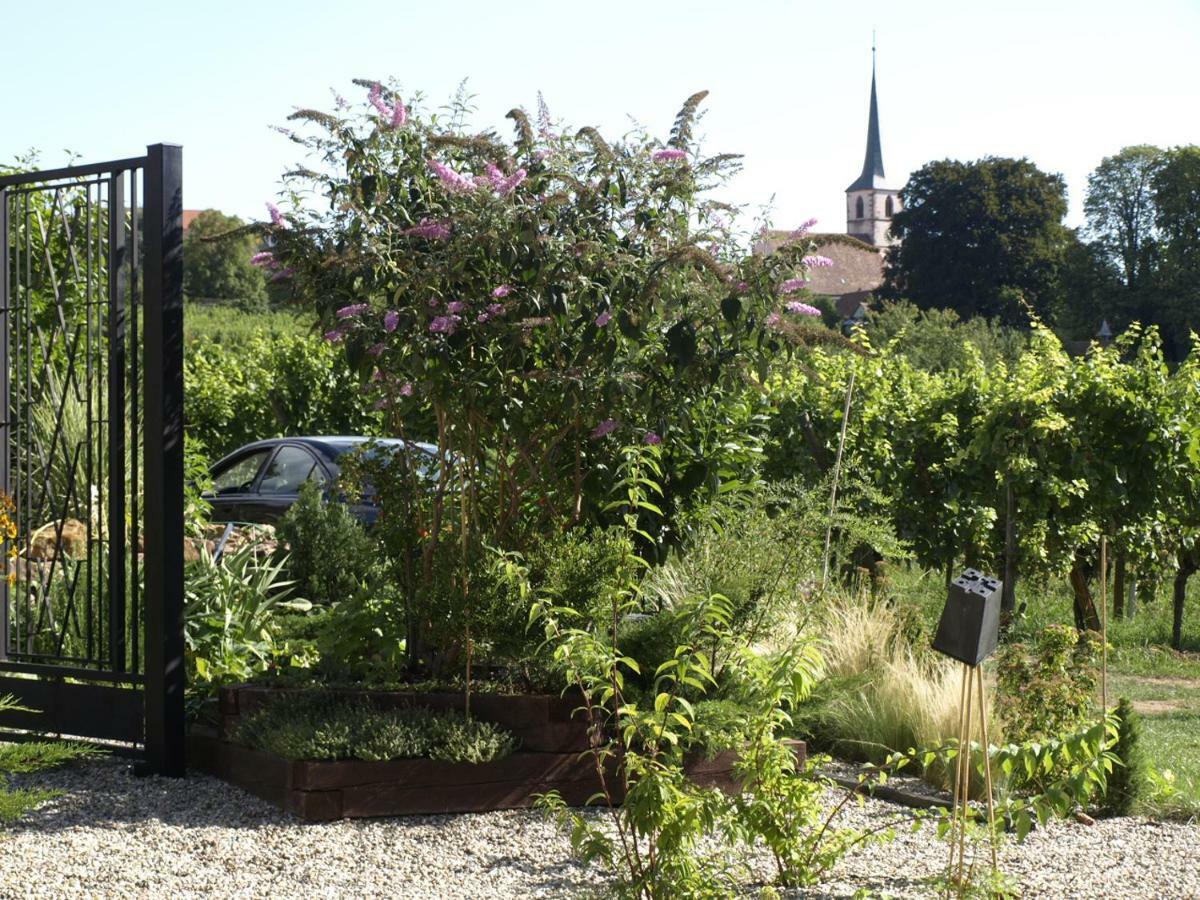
x,y
91,452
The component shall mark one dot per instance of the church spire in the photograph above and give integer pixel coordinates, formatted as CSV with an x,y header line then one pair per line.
x,y
872,176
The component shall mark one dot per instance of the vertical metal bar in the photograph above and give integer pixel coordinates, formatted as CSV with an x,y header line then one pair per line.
x,y
93,242
115,589
163,473
135,418
5,407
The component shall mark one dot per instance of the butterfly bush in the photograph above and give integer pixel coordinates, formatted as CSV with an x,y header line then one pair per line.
x,y
533,305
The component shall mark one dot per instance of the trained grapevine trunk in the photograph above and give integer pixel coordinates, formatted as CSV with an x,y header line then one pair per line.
x,y
1187,568
1119,586
1086,616
1008,593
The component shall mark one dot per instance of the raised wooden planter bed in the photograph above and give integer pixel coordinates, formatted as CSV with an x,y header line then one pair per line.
x,y
317,791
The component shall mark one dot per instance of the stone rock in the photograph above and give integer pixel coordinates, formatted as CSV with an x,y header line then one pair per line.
x,y
46,542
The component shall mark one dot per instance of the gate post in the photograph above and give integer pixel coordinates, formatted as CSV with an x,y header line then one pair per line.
x,y
163,311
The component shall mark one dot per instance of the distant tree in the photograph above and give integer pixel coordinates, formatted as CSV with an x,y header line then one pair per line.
x,y
1177,217
1177,212
981,238
1120,211
218,268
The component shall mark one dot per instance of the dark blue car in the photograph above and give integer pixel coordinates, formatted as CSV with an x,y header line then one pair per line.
x,y
259,482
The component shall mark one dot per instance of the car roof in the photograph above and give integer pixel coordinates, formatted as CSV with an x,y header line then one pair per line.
x,y
328,446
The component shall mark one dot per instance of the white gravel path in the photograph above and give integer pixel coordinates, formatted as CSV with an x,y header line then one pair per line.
x,y
114,835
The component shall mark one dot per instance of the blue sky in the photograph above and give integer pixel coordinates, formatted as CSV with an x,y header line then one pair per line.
x,y
1063,83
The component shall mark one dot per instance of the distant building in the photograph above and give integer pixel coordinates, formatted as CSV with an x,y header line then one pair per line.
x,y
857,255
871,201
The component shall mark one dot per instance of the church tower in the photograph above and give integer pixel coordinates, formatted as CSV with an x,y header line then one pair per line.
x,y
870,202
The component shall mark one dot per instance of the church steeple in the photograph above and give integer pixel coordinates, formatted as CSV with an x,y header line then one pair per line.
x,y
870,202
872,172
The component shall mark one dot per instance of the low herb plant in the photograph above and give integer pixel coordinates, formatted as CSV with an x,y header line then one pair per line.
x,y
326,726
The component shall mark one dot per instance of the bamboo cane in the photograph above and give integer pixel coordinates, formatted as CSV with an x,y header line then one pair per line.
x,y
1103,625
987,767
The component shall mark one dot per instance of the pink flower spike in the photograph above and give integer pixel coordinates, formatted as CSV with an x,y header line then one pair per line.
x,y
283,274
503,291
668,155
803,309
450,179
604,429
375,98
277,218
353,310
455,306
772,320
406,389
604,318
264,260
391,319
511,183
495,309
399,114
335,335
792,285
817,262
652,439
741,287
802,231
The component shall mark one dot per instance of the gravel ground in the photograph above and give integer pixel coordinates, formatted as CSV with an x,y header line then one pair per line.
x,y
114,835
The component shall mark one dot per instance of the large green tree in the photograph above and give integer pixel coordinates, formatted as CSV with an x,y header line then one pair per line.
x,y
1120,211
216,261
981,238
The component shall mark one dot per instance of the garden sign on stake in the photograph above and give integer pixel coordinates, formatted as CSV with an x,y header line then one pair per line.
x,y
969,631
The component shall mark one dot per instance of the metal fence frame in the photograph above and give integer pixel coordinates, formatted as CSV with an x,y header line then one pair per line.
x,y
140,703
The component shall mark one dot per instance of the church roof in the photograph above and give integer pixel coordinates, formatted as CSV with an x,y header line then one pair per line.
x,y
872,177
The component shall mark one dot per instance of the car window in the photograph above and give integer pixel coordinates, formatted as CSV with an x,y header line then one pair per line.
x,y
239,477
291,467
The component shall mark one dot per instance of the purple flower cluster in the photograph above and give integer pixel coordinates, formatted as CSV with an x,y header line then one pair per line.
x,y
264,260
429,229
353,310
446,325
803,309
335,335
773,320
391,319
455,306
503,291
277,218
818,262
668,155
604,318
393,116
652,439
792,285
604,429
494,311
